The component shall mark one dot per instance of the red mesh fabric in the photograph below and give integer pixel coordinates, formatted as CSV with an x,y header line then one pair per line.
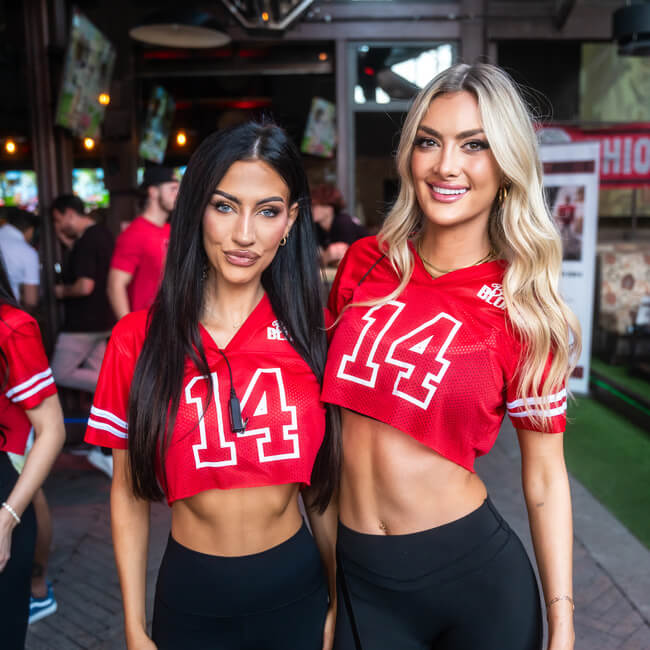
x,y
438,362
279,396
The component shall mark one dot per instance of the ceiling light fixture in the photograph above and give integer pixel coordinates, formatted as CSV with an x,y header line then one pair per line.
x,y
186,28
276,17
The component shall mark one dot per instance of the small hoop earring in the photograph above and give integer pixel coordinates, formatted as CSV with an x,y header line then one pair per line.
x,y
502,194
283,241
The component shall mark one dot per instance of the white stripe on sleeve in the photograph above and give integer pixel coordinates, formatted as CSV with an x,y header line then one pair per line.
x,y
30,382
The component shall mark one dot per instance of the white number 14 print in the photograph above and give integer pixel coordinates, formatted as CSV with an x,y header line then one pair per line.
x,y
413,383
270,420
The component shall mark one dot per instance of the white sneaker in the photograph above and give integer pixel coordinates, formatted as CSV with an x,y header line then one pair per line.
x,y
101,461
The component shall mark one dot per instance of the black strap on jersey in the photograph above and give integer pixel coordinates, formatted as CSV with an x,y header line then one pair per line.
x,y
367,273
347,600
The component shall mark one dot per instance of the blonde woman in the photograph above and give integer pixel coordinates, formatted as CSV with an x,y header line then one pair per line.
x,y
445,321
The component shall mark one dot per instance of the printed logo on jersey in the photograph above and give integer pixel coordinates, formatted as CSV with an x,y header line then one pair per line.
x,y
274,333
493,295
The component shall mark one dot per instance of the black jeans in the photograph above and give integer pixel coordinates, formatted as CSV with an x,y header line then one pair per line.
x,y
466,585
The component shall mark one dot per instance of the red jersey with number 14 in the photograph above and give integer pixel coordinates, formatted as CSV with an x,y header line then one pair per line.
x,y
27,376
279,397
438,362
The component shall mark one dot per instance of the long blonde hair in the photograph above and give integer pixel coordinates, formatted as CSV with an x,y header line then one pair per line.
x,y
520,228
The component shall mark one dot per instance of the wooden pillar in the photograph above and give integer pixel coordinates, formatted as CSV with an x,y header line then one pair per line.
x,y
52,151
473,45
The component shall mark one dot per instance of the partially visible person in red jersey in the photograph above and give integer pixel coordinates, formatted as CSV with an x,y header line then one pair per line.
x,y
139,257
27,399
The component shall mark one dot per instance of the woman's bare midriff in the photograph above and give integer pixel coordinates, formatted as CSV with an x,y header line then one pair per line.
x,y
237,522
393,485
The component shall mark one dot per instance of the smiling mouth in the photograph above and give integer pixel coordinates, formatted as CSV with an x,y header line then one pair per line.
x,y
448,191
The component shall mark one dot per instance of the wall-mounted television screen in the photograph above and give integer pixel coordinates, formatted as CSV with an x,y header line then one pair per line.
x,y
87,73
178,173
88,185
160,113
19,188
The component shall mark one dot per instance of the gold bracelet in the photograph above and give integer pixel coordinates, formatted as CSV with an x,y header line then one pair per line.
x,y
557,599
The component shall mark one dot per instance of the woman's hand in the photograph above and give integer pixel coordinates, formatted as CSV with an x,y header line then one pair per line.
x,y
140,642
7,525
328,628
560,625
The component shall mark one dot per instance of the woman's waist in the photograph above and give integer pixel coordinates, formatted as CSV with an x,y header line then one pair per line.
x,y
237,522
396,489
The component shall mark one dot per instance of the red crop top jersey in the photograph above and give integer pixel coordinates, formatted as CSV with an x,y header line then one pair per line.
x,y
279,396
27,376
438,362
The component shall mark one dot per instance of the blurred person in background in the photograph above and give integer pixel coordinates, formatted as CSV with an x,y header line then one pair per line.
x,y
28,401
140,250
88,318
20,257
335,229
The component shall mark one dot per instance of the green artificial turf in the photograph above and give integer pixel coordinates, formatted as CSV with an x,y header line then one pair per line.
x,y
611,458
620,375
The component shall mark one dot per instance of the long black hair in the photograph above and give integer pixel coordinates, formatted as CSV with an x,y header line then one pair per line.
x,y
6,298
291,281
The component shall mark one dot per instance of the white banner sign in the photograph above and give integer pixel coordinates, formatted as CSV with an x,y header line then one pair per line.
x,y
571,187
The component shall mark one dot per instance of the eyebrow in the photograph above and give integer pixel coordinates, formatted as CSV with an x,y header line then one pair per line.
x,y
234,199
459,136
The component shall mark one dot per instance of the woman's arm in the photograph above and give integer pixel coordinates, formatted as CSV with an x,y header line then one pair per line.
x,y
130,526
324,527
49,435
548,499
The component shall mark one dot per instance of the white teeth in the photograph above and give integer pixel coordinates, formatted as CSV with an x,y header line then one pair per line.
x,y
445,190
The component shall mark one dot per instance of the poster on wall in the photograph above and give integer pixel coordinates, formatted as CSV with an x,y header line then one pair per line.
x,y
571,188
320,133
160,114
87,73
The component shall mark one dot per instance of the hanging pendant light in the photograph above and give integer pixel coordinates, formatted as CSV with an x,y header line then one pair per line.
x,y
183,28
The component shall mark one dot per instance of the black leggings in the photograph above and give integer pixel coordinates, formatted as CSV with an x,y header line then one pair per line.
x,y
467,585
274,600
15,580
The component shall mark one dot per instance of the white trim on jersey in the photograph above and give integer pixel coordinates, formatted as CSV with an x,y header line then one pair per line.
x,y
122,432
547,413
531,401
30,387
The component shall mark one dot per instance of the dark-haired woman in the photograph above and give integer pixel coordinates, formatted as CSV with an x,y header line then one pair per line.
x,y
27,399
212,401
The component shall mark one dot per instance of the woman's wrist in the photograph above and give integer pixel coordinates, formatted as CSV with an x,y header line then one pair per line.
x,y
7,519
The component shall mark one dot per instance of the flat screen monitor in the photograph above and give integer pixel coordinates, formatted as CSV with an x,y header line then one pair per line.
x,y
87,73
160,113
19,188
88,185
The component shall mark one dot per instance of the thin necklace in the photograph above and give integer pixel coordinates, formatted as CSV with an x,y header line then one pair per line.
x,y
487,258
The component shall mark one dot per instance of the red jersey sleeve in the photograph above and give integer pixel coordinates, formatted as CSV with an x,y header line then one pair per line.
x,y
30,378
528,412
128,251
356,263
108,421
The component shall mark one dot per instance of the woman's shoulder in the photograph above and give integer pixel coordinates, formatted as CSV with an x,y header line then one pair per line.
x,y
130,330
13,319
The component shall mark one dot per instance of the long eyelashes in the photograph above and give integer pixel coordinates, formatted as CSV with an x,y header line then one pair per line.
x,y
424,142
226,208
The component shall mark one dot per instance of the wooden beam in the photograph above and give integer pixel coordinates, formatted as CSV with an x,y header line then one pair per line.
x,y
562,11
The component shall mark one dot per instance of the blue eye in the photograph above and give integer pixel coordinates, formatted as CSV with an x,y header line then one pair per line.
x,y
269,212
220,206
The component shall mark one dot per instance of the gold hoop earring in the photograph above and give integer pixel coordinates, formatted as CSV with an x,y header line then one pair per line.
x,y
502,194
283,241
